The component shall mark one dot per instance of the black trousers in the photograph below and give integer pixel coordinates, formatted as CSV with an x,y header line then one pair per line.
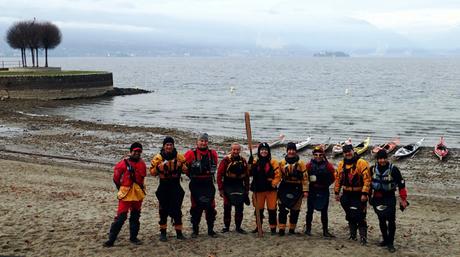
x,y
385,208
311,207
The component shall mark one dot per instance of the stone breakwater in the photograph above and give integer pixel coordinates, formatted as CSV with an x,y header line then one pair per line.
x,y
66,86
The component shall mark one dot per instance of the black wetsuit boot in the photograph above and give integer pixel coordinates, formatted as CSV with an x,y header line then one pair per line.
x,y
115,229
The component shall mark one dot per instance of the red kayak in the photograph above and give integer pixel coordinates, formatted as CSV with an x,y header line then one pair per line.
x,y
441,149
388,146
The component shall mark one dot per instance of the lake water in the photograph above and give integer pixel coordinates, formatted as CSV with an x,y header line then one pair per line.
x,y
339,98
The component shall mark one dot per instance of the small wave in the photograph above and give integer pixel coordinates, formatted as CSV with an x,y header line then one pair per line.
x,y
32,114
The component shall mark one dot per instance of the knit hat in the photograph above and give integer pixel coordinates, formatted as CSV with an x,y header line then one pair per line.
x,y
204,136
347,148
136,146
168,139
291,145
381,154
266,146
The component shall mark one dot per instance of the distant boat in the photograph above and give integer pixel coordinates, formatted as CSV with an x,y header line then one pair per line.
x,y
337,148
303,144
389,146
440,149
362,147
408,149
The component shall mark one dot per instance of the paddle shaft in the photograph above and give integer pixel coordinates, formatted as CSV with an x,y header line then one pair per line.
x,y
247,121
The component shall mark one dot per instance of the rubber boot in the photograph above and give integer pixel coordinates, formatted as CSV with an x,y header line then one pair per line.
x,y
326,232
363,234
196,230
227,218
308,229
115,229
272,221
163,237
134,226
211,232
239,219
353,227
179,235
281,232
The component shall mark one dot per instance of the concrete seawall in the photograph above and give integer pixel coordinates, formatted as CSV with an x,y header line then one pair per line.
x,y
55,87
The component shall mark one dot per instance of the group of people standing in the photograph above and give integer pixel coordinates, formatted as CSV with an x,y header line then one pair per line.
x,y
275,185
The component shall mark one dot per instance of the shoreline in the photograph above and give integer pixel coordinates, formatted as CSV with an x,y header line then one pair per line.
x,y
58,198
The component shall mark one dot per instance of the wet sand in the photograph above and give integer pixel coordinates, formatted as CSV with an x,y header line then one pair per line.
x,y
63,207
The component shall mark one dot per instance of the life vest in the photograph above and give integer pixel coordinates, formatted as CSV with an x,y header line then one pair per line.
x,y
204,167
292,174
171,170
383,181
262,177
351,180
235,169
319,174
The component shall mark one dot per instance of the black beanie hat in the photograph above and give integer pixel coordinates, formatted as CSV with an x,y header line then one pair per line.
x,y
291,145
266,146
168,139
135,145
381,154
347,148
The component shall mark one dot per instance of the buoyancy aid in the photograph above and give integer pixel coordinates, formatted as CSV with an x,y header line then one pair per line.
x,y
319,174
383,181
263,175
350,178
204,167
235,169
291,173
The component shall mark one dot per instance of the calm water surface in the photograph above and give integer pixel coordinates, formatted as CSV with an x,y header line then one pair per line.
x,y
321,97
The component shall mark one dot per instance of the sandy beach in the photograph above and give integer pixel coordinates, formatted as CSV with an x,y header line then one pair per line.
x,y
58,198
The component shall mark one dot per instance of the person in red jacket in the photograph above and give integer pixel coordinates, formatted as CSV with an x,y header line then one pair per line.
x,y
233,184
202,163
129,177
321,175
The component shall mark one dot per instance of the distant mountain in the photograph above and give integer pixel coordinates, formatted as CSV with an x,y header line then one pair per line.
x,y
170,37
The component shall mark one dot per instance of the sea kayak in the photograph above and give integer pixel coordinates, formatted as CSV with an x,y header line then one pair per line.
x,y
388,146
408,149
362,147
440,149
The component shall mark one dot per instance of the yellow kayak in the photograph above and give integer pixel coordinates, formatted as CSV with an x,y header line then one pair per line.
x,y
363,146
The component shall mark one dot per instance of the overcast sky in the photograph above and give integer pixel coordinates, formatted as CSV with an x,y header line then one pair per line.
x,y
412,19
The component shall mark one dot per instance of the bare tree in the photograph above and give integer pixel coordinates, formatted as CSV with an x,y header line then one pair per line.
x,y
50,38
33,35
33,40
17,39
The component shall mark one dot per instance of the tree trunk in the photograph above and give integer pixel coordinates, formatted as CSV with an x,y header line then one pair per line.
x,y
46,56
22,57
25,57
33,56
36,58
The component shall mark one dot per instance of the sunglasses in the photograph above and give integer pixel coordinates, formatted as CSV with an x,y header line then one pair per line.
x,y
318,155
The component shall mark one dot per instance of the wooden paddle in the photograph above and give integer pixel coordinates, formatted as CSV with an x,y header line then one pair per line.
x,y
247,121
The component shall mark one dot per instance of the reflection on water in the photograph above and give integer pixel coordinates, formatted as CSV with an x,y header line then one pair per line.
x,y
340,98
